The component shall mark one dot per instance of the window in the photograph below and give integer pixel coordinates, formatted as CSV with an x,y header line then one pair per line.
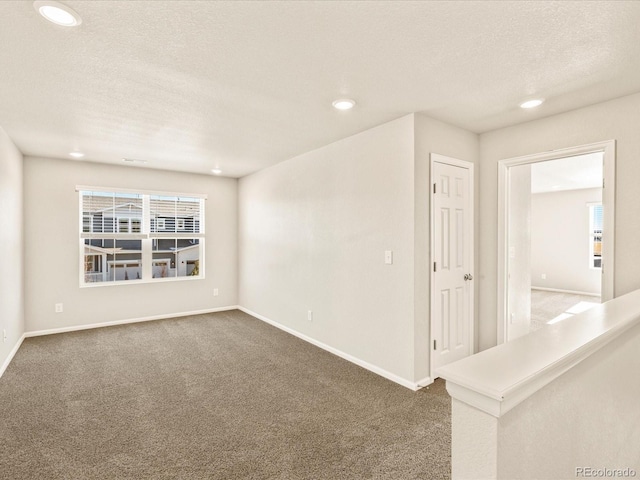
x,y
595,235
138,236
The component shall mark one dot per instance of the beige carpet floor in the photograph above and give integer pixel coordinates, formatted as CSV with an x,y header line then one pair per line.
x,y
217,396
546,305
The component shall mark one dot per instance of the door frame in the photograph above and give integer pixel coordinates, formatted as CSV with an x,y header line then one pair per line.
x,y
608,147
437,158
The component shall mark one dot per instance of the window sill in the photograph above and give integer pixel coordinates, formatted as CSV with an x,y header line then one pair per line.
x,y
137,282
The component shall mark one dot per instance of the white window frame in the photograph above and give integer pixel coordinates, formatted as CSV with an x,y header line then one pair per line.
x,y
145,236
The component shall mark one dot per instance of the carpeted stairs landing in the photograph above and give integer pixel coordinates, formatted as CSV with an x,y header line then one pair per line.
x,y
216,396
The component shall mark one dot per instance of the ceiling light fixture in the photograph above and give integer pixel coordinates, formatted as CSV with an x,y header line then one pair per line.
x,y
57,13
76,154
133,160
532,103
344,104
216,171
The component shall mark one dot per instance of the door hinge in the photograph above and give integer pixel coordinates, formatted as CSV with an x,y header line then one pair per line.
x,y
434,266
434,345
603,183
434,188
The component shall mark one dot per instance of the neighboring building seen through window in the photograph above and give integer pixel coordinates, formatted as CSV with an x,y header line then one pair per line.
x,y
136,236
595,235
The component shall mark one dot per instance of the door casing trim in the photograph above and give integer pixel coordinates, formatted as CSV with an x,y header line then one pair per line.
x,y
608,147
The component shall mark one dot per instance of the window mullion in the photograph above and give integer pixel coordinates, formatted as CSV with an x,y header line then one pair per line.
x,y
147,263
201,217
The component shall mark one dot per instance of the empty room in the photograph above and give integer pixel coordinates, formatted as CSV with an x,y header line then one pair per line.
x,y
319,239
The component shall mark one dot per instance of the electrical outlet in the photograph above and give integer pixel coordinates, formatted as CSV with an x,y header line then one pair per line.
x,y
215,292
310,315
59,308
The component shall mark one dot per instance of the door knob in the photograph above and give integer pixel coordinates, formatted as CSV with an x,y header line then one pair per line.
x,y
468,276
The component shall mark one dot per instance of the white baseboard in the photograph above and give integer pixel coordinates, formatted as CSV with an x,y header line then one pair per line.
x,y
572,292
75,328
372,368
425,382
12,354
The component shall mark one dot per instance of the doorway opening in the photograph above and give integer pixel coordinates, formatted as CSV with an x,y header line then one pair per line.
x,y
556,230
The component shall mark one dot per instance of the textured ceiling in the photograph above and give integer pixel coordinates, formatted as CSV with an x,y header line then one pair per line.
x,y
571,173
243,85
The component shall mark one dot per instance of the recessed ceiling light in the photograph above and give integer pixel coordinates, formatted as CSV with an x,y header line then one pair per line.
x,y
216,171
532,103
57,13
133,160
76,154
344,104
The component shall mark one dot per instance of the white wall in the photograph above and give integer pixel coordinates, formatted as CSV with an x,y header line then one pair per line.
x,y
52,257
561,398
432,136
313,231
560,241
11,246
547,437
617,119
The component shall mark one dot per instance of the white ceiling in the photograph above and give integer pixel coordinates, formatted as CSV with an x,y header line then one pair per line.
x,y
571,173
243,85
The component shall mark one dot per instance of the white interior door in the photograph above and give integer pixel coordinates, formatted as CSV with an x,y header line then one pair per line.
x,y
452,260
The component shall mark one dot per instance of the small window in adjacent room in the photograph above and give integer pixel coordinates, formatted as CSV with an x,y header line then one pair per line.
x,y
135,236
595,235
